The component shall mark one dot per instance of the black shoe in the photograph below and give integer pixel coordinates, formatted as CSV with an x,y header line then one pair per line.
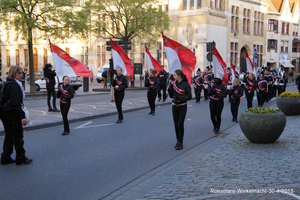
x,y
153,113
233,119
112,101
159,99
25,161
150,113
176,145
163,100
9,161
217,131
50,110
56,110
119,121
65,133
179,147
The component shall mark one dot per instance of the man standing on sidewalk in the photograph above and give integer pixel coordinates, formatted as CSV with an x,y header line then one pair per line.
x,y
162,77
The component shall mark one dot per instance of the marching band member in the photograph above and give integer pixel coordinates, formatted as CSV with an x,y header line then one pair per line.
x,y
280,84
207,80
162,76
120,84
198,80
236,92
65,93
262,91
217,92
152,83
180,92
250,88
270,86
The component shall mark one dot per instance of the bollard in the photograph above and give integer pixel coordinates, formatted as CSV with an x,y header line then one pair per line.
x,y
85,84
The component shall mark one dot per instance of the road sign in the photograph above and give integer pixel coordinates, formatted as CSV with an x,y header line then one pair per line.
x,y
209,56
121,42
123,47
209,46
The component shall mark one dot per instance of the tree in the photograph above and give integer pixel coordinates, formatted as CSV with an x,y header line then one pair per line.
x,y
50,16
127,19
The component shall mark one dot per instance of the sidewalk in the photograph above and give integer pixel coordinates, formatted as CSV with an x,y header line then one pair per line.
x,y
239,164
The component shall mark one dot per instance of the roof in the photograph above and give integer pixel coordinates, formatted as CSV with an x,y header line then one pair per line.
x,y
275,5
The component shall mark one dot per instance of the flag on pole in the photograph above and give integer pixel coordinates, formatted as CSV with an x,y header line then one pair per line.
x,y
151,62
120,59
65,65
233,74
179,57
250,67
219,66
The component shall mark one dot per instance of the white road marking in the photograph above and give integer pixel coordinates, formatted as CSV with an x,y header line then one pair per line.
x,y
293,195
85,125
128,102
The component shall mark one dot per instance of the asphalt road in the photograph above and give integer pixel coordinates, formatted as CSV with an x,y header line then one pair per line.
x,y
99,156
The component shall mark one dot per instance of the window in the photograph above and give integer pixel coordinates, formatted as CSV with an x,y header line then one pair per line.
x,y
17,57
233,53
184,6
8,58
284,47
192,4
273,25
234,18
199,2
259,49
216,4
26,58
246,21
272,45
99,56
296,46
285,28
258,23
45,56
295,29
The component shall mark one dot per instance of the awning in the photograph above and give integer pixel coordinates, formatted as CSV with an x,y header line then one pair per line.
x,y
288,65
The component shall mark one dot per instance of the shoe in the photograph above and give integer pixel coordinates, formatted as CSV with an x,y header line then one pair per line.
x,y
9,161
150,113
153,113
233,119
65,133
25,161
119,121
112,101
56,110
176,145
50,110
163,100
159,99
179,147
217,131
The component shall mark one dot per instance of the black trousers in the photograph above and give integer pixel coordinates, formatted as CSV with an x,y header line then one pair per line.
x,y
162,87
261,98
271,93
234,103
119,96
280,90
13,137
205,93
198,90
249,97
216,108
151,95
275,88
51,91
64,109
179,113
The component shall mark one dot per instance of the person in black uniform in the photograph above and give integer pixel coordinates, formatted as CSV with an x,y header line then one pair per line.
x,y
152,83
49,75
262,91
198,80
207,80
236,92
250,88
13,118
281,84
180,92
217,92
162,77
65,93
120,84
270,86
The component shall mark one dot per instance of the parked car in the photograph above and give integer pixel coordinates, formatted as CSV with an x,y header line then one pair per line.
x,y
37,76
75,81
99,77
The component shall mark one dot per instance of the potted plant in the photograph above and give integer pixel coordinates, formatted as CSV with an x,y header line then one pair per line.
x,y
262,125
289,103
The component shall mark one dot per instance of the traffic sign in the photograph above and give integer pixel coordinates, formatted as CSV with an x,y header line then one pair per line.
x,y
121,42
209,56
123,47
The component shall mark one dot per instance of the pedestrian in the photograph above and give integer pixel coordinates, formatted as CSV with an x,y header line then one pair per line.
x,y
162,77
198,80
298,85
65,93
291,74
108,77
49,75
13,118
180,92
120,84
104,75
250,87
152,83
297,79
236,92
281,84
217,92
262,91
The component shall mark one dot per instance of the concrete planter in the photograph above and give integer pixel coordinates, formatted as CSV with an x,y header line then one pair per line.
x,y
262,128
289,105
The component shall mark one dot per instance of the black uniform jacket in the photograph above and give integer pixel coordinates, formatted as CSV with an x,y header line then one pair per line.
x,y
65,93
250,84
217,92
121,81
163,79
198,80
152,83
262,86
236,92
180,92
50,77
13,99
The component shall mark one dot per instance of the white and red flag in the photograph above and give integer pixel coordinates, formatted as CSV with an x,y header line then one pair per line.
x,y
219,66
250,67
120,59
179,57
65,65
151,62
233,74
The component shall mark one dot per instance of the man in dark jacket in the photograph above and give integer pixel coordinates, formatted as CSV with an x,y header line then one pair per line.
x,y
162,77
49,75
